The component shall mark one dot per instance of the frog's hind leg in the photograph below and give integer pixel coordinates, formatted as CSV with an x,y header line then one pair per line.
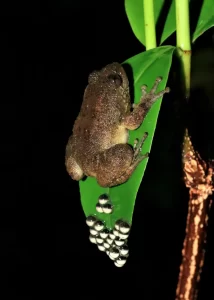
x,y
112,164
119,162
127,174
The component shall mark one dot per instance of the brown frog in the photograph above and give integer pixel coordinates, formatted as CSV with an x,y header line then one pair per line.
x,y
98,146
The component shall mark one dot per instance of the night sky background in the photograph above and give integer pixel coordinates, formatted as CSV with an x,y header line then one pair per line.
x,y
48,50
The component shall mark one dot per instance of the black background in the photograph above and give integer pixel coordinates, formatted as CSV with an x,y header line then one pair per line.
x,y
48,50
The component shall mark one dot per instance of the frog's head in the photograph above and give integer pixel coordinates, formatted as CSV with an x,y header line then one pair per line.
x,y
112,75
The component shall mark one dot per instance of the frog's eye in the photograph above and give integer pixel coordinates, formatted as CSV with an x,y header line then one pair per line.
x,y
115,79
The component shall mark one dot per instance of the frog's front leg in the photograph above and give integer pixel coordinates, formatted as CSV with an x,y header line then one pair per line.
x,y
135,118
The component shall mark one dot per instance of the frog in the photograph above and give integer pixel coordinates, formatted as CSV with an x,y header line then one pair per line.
x,y
98,146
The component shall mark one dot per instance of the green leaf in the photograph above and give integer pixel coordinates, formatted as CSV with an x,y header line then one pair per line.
x,y
170,24
146,67
135,13
205,20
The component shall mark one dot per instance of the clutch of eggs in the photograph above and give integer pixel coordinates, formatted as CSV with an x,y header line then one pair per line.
x,y
114,242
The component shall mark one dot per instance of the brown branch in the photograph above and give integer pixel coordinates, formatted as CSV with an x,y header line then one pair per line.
x,y
198,178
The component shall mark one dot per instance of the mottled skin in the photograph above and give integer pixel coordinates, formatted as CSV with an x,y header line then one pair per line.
x,y
98,146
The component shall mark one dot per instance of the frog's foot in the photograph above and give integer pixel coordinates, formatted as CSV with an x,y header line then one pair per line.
x,y
148,98
138,144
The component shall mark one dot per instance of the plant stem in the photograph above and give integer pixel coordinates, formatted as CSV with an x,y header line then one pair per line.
x,y
149,24
183,41
198,178
182,24
200,185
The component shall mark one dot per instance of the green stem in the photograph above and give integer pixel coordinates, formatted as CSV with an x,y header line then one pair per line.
x,y
149,24
183,41
192,253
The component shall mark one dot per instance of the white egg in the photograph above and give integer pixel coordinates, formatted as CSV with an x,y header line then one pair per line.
x,y
124,227
90,221
103,199
117,265
112,258
117,224
101,248
92,239
114,252
107,208
99,225
99,240
104,233
99,208
121,260
119,242
109,241
106,245
93,231
123,236
115,232
124,250
112,236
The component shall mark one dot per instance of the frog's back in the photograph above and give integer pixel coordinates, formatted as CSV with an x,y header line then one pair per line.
x,y
106,100
93,130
